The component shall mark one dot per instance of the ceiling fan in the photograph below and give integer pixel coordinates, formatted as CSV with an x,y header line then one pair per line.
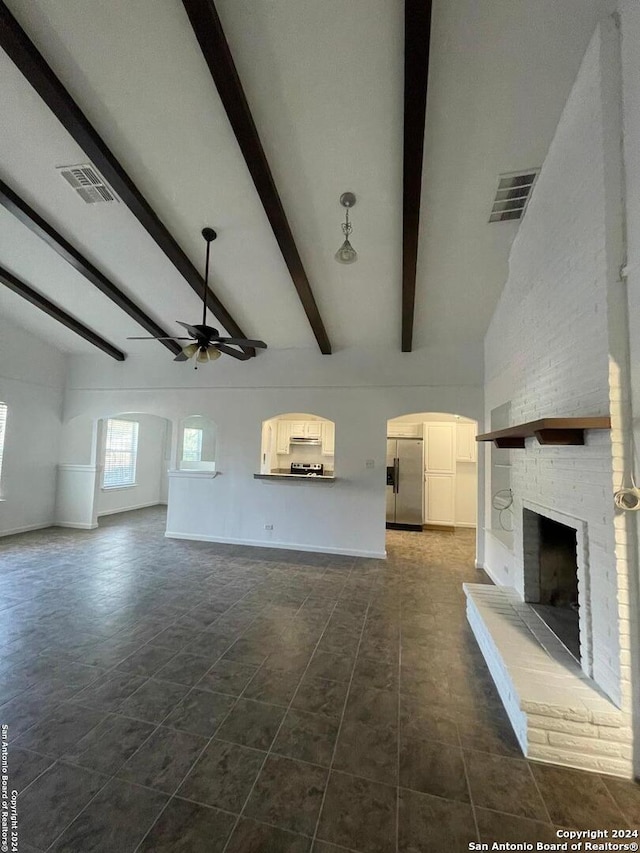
x,y
207,343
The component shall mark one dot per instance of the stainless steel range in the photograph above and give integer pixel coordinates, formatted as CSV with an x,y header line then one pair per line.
x,y
309,469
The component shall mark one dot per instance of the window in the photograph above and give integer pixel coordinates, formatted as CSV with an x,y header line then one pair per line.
x,y
120,451
3,423
192,445
197,444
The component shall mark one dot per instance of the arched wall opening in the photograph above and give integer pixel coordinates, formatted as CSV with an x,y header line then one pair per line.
x,y
133,456
431,472
298,442
197,444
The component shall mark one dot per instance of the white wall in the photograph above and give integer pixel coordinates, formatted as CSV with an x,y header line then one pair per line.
x,y
31,384
548,348
148,489
348,516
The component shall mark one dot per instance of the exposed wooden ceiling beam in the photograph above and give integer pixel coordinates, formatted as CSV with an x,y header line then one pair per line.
x,y
9,280
217,54
417,33
21,50
35,223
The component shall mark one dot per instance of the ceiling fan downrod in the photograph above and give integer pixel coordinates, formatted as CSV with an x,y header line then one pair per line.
x,y
209,235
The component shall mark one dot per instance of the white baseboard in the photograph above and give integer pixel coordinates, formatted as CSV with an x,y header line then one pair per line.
x,y
131,508
465,524
27,528
491,575
76,525
287,546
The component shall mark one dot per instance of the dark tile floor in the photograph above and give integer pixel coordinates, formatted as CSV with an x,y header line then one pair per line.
x,y
167,696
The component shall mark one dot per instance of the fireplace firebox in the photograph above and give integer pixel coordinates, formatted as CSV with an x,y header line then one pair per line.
x,y
551,576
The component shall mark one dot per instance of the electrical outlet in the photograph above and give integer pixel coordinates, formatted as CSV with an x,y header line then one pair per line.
x,y
268,527
370,463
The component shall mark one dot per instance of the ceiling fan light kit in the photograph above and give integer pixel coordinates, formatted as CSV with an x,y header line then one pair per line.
x,y
206,343
346,254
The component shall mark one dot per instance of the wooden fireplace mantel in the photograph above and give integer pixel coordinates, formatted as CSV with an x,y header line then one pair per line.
x,y
559,431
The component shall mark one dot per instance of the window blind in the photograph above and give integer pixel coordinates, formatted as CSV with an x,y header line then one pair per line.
x,y
192,445
121,449
3,423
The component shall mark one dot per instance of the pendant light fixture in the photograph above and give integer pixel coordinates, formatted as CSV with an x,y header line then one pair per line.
x,y
346,254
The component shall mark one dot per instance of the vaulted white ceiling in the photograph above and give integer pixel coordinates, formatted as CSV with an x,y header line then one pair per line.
x,y
324,81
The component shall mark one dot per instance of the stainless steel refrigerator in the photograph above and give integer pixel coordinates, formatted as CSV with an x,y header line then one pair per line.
x,y
404,483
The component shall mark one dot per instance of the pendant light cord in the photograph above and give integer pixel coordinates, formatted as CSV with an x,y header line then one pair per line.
x,y
346,228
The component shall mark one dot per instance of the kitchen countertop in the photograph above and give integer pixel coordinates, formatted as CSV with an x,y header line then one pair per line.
x,y
308,477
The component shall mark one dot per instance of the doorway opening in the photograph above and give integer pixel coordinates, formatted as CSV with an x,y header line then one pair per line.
x,y
134,451
431,472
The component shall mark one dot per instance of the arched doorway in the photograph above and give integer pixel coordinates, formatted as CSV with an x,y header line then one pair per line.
x,y
133,457
431,467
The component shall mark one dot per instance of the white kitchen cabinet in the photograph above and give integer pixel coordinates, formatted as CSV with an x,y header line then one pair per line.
x,y
401,430
440,448
306,429
314,429
440,499
302,429
283,436
466,442
328,438
440,472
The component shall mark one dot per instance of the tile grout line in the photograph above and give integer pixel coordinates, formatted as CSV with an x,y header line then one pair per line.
x,y
210,740
113,776
275,737
75,817
535,782
344,709
467,780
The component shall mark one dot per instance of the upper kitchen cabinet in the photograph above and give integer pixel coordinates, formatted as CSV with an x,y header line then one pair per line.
x,y
398,429
440,448
466,442
328,438
306,429
283,435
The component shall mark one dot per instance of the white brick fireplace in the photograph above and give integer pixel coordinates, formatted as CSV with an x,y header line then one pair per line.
x,y
553,350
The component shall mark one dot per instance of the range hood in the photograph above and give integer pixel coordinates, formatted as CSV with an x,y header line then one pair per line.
x,y
299,439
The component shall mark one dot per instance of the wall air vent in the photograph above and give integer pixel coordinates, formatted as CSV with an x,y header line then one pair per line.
x,y
88,183
512,196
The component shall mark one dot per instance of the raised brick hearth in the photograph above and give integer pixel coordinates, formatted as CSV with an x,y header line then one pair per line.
x,y
558,713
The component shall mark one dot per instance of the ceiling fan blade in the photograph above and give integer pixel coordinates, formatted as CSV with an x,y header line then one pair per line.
x,y
181,357
240,342
152,338
234,353
191,329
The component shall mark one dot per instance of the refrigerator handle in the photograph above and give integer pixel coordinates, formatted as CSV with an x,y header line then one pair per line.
x,y
396,475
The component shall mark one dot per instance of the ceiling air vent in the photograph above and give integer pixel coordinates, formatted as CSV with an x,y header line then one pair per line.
x,y
512,196
88,183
